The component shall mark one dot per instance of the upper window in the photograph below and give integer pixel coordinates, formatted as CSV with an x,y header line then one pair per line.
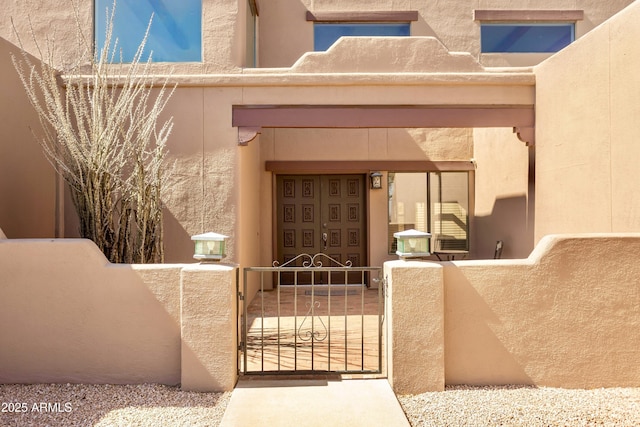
x,y
326,34
526,31
175,34
330,26
530,38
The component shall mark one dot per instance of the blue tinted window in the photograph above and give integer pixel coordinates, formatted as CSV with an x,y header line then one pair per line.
x,y
526,37
326,34
175,34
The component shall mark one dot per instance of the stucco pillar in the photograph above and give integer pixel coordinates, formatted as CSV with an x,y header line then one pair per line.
x,y
208,327
415,312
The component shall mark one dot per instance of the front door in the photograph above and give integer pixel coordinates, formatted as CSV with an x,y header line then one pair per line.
x,y
321,213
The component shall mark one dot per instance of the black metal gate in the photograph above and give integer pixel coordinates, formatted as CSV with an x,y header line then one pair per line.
x,y
324,323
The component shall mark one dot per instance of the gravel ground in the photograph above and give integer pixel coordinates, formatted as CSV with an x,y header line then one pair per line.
x,y
158,405
523,406
108,405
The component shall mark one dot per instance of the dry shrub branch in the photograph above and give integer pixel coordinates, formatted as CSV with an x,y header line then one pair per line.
x,y
100,120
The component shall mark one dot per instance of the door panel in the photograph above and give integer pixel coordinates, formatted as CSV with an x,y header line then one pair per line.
x,y
321,213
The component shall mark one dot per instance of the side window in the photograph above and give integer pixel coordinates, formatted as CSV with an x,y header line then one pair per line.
x,y
175,34
326,34
525,38
435,202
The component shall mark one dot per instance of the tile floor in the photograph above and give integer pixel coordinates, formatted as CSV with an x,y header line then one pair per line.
x,y
315,329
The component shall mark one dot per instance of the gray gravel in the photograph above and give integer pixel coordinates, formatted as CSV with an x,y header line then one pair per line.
x,y
523,406
108,405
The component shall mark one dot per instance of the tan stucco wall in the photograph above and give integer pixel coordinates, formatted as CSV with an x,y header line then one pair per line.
x,y
567,316
209,347
285,35
587,110
282,23
213,178
69,316
223,32
27,180
504,197
415,326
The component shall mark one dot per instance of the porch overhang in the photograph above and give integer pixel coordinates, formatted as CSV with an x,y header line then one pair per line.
x,y
251,118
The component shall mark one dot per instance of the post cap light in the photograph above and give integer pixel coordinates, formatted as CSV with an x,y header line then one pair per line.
x,y
209,246
412,243
376,180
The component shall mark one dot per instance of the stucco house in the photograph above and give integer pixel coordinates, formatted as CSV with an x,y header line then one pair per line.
x,y
306,126
485,121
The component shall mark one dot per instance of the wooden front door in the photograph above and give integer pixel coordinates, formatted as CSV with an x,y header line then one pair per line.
x,y
321,213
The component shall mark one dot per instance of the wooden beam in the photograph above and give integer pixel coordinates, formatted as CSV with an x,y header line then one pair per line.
x,y
529,15
374,16
377,116
366,166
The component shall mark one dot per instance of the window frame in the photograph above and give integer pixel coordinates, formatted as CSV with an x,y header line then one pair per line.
x,y
361,18
527,17
429,199
130,35
528,26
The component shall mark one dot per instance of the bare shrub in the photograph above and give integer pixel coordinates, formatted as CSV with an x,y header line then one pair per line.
x,y
101,134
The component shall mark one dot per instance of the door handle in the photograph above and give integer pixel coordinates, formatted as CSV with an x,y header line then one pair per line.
x,y
324,240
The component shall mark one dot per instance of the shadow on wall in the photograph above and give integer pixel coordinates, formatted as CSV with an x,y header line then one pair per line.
x,y
478,356
76,318
178,247
508,221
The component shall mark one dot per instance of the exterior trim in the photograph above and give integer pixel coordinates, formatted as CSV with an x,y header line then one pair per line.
x,y
382,116
365,166
376,16
528,15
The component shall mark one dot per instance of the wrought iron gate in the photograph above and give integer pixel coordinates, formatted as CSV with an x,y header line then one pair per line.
x,y
323,322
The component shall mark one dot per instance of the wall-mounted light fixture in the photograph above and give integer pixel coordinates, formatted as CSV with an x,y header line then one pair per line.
x,y
376,180
209,246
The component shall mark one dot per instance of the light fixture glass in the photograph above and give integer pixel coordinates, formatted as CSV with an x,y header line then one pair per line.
x,y
376,180
412,243
209,246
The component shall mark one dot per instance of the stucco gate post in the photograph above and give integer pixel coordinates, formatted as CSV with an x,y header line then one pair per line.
x,y
415,315
208,327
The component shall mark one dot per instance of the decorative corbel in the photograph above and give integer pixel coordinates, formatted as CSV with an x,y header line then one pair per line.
x,y
247,134
526,135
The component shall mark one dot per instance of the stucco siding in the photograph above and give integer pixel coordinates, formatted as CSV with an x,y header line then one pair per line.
x,y
584,132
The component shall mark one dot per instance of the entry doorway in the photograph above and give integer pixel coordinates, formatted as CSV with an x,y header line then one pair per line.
x,y
321,214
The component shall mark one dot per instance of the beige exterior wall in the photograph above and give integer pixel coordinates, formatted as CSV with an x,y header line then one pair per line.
x,y
587,109
68,315
285,35
504,197
27,181
223,35
565,317
218,186
282,23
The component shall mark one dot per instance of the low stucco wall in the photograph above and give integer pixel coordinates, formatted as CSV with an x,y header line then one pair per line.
x,y
68,315
568,316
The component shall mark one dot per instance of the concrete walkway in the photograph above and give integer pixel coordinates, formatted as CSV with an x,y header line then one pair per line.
x,y
313,402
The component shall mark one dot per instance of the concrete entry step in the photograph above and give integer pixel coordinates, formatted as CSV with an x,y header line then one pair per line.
x,y
313,402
